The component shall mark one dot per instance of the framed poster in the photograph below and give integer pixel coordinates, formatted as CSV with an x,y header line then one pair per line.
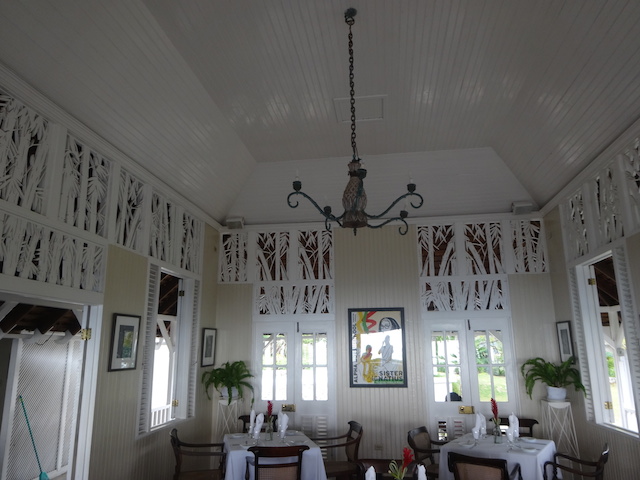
x,y
377,347
124,342
208,346
565,342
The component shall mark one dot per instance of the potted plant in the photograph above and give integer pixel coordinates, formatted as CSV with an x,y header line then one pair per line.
x,y
228,379
557,377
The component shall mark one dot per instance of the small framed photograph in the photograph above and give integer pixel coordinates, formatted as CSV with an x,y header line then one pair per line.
x,y
124,342
377,348
565,342
208,346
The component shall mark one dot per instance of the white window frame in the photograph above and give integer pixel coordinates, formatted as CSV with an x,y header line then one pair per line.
x,y
590,343
184,381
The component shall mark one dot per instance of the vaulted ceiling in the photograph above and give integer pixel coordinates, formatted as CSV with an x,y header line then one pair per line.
x,y
482,103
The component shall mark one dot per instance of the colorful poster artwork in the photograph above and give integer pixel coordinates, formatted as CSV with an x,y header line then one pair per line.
x,y
377,356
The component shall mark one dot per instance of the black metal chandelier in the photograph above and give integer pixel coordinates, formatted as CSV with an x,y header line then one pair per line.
x,y
354,199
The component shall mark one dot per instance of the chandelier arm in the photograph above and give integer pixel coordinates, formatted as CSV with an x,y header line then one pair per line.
x,y
327,215
395,202
402,229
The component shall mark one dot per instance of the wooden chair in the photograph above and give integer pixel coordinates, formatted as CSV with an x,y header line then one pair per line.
x,y
245,419
343,469
526,425
285,469
585,468
423,451
465,467
182,449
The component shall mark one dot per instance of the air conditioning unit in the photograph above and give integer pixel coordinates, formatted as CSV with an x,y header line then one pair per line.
x,y
234,223
520,208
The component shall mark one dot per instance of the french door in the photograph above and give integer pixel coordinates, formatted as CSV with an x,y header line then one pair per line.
x,y
471,361
295,370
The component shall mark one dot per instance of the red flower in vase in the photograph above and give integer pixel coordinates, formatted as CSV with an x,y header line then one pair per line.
x,y
494,411
399,472
269,408
407,457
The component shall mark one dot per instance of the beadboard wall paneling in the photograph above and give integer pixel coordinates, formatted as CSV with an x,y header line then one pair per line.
x,y
534,333
377,269
116,452
623,459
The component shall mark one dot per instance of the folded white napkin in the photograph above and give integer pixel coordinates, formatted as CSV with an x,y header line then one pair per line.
x,y
476,432
283,423
370,474
511,434
258,427
514,423
422,472
483,425
252,420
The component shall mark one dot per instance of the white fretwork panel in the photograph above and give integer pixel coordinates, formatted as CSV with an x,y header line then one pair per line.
x,y
575,228
484,248
272,256
163,229
528,246
36,252
23,154
85,188
473,294
191,246
129,212
233,257
294,299
607,209
631,167
437,250
315,255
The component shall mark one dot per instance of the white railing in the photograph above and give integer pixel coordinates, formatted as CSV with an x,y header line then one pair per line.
x,y
160,415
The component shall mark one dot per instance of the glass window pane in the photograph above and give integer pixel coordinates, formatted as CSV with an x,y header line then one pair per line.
x,y
485,390
267,349
281,349
307,349
267,383
307,383
445,348
281,384
321,349
322,383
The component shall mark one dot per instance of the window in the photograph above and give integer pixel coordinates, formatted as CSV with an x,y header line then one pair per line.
x,y
605,321
170,352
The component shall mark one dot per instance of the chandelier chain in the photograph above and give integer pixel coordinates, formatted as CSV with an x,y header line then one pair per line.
x,y
352,92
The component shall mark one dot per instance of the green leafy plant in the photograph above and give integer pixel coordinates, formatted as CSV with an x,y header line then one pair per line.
x,y
228,376
554,375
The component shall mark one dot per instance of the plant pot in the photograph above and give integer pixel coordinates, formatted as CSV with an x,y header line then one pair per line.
x,y
224,392
556,394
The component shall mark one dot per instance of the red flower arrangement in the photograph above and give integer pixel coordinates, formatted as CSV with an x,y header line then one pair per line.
x,y
398,472
269,408
494,411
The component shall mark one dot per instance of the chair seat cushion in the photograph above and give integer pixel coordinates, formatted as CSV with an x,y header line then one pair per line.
x,y
336,467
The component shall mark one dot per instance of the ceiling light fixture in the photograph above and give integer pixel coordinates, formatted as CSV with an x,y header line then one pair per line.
x,y
354,199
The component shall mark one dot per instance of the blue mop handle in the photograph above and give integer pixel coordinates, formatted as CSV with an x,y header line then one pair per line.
x,y
30,432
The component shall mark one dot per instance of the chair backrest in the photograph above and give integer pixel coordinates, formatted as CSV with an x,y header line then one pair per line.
x,y
600,463
354,435
526,425
288,468
181,449
465,467
420,441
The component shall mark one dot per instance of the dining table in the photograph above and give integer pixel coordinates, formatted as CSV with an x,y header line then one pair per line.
x,y
530,453
236,446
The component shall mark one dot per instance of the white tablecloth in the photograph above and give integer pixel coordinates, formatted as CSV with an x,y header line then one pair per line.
x,y
531,463
236,445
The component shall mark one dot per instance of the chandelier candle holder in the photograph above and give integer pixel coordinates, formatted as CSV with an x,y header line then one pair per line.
x,y
354,198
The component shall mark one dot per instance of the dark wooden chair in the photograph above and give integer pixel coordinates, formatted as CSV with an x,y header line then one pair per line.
x,y
245,419
465,467
526,425
423,449
584,468
343,469
285,469
183,449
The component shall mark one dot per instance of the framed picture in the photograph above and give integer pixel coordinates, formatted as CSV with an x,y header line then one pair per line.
x,y
124,342
565,342
377,356
208,346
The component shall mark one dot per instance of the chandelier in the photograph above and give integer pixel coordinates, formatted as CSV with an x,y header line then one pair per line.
x,y
354,199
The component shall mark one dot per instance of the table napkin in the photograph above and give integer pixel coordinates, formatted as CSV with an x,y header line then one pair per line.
x,y
481,424
258,427
511,434
284,424
476,432
252,421
514,423
422,472
370,474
